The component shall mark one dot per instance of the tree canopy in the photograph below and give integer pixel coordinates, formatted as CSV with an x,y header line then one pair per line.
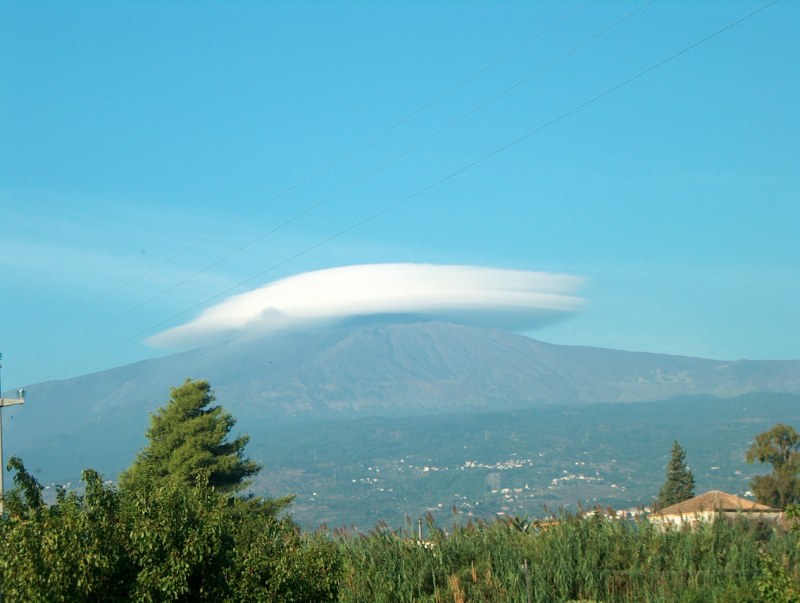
x,y
172,543
780,447
172,532
188,439
679,484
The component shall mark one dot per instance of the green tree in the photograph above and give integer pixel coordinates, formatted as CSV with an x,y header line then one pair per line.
x,y
780,447
679,485
170,543
189,438
71,551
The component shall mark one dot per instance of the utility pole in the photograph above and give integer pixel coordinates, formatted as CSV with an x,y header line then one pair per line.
x,y
20,399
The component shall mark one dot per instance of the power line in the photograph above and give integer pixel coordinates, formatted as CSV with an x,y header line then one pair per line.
x,y
357,180
386,209
286,191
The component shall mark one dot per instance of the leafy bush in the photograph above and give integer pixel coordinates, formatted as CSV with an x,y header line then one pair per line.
x,y
167,543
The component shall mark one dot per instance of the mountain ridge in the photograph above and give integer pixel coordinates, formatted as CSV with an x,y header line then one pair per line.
x,y
422,368
381,368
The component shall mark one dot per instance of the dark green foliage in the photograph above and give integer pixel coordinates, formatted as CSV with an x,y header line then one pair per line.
x,y
188,539
189,437
774,583
26,497
71,551
679,485
180,543
273,561
172,533
780,447
169,543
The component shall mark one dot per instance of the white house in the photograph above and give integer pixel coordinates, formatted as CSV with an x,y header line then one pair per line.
x,y
712,505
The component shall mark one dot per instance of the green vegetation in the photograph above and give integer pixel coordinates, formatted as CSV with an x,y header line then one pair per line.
x,y
679,485
176,530
190,544
188,437
170,543
780,447
586,557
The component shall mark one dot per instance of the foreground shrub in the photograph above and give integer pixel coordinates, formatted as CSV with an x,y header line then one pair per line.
x,y
169,543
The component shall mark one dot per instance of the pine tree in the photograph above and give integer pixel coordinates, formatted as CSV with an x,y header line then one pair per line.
x,y
679,485
188,438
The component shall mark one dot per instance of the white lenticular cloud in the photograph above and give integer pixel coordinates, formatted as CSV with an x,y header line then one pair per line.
x,y
515,299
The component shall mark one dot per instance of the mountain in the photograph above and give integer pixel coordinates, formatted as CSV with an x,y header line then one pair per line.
x,y
390,370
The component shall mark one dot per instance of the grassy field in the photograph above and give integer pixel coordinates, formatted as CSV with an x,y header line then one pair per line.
x,y
573,559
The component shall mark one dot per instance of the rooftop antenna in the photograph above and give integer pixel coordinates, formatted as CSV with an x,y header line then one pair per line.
x,y
20,399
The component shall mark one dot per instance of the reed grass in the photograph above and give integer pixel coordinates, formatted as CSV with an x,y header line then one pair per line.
x,y
576,558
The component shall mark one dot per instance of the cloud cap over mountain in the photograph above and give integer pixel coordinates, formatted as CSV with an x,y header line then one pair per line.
x,y
479,296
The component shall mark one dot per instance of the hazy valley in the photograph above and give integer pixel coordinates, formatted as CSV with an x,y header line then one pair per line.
x,y
377,421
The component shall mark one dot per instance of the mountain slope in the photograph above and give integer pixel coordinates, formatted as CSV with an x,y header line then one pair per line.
x,y
407,368
369,370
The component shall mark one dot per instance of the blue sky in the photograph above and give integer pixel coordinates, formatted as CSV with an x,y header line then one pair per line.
x,y
158,158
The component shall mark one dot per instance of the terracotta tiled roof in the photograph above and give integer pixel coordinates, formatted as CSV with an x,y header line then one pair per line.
x,y
715,500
